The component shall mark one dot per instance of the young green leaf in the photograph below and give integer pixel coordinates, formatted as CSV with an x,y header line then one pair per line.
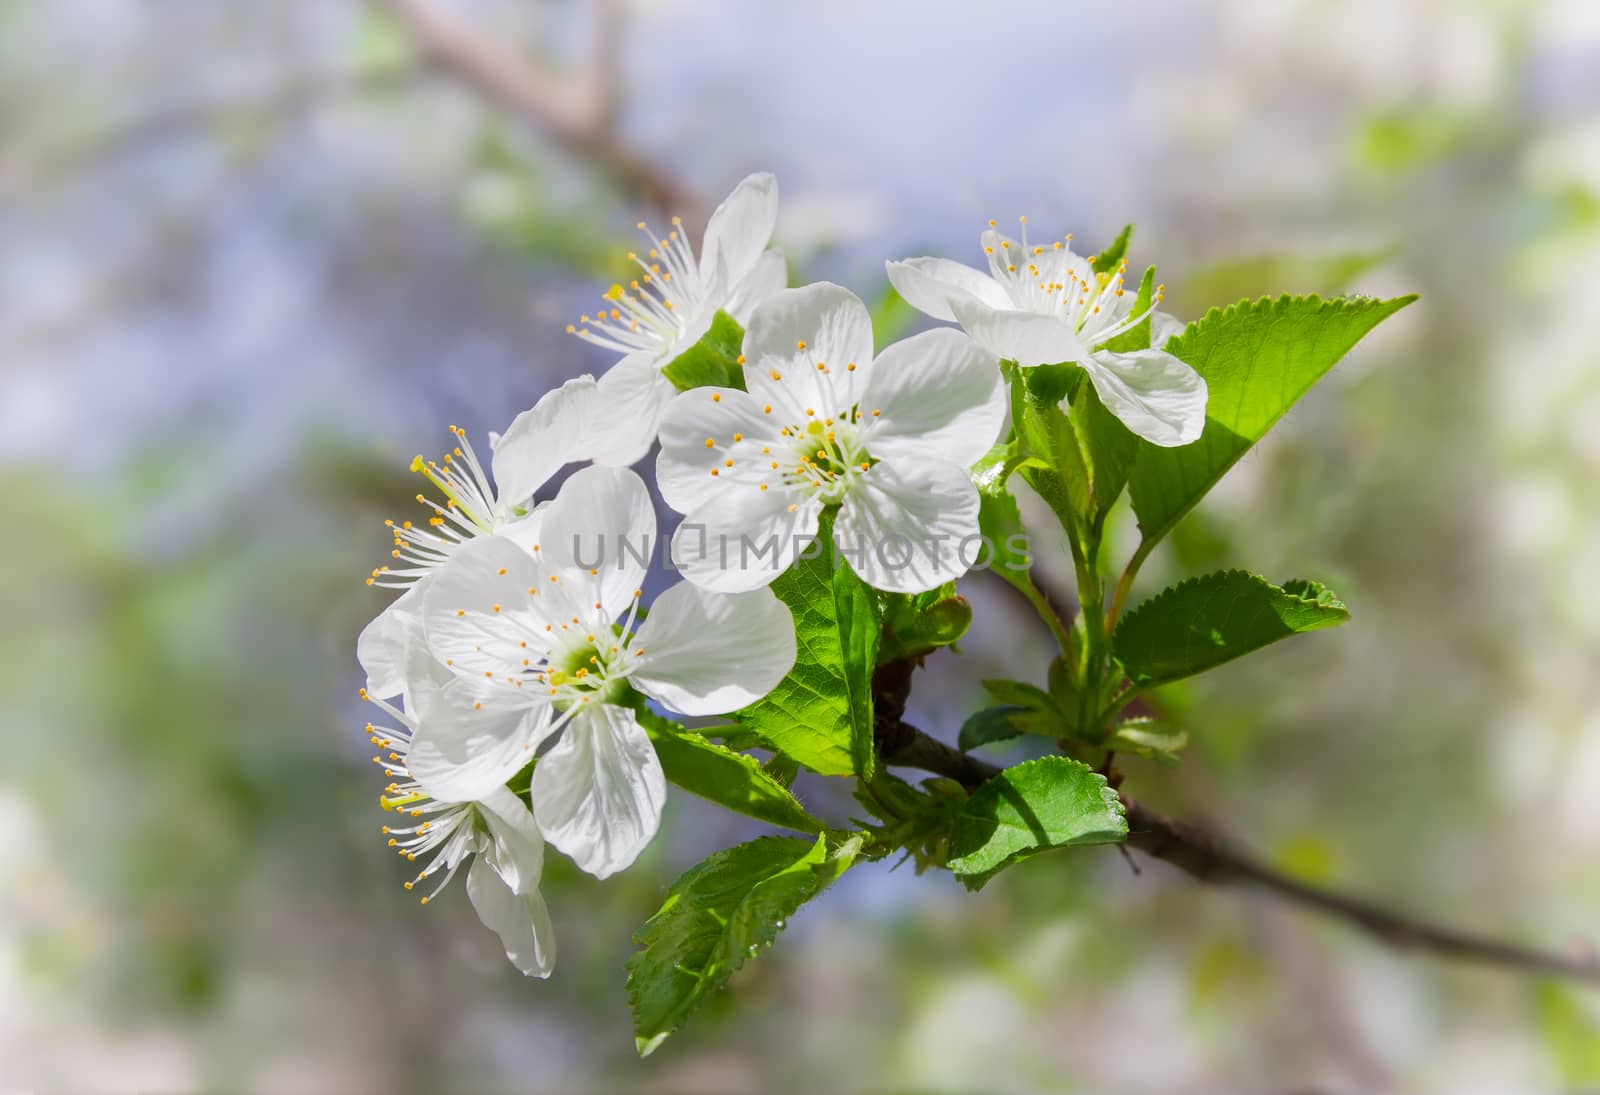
x,y
1257,360
1046,803
821,713
1109,259
1148,738
714,772
713,361
856,610
918,623
717,915
1203,622
1000,522
1003,722
1021,694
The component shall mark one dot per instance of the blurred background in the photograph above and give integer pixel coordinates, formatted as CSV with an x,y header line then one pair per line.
x,y
257,255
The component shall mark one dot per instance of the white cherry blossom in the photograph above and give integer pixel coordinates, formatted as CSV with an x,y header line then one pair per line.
x,y
888,440
1042,304
545,648
670,306
496,832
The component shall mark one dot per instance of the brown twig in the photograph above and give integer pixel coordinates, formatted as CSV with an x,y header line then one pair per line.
x,y
577,112
1209,857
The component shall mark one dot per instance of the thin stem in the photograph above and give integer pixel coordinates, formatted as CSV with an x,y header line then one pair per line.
x,y
1047,612
1125,583
1213,859
1091,601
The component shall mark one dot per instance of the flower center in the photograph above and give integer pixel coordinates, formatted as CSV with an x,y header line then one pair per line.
x,y
828,456
590,672
654,309
1055,281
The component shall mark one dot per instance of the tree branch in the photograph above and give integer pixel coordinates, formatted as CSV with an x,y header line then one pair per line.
x,y
1209,857
576,112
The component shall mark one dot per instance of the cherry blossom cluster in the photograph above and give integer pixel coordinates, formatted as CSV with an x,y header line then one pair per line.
x,y
514,673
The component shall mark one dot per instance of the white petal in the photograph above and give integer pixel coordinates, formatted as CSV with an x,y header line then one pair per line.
x,y
1027,338
524,531
516,847
557,430
744,539
929,285
769,275
710,653
935,394
632,395
598,794
384,646
834,329
741,228
683,470
602,520
471,738
1163,327
1156,395
520,920
912,529
480,609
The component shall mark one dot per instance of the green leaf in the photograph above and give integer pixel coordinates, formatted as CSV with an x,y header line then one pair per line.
x,y
713,362
1257,360
1062,687
1108,260
782,768
717,915
1203,622
1046,803
821,713
916,819
1137,337
1148,738
1020,694
1000,522
917,623
730,779
1004,722
856,610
